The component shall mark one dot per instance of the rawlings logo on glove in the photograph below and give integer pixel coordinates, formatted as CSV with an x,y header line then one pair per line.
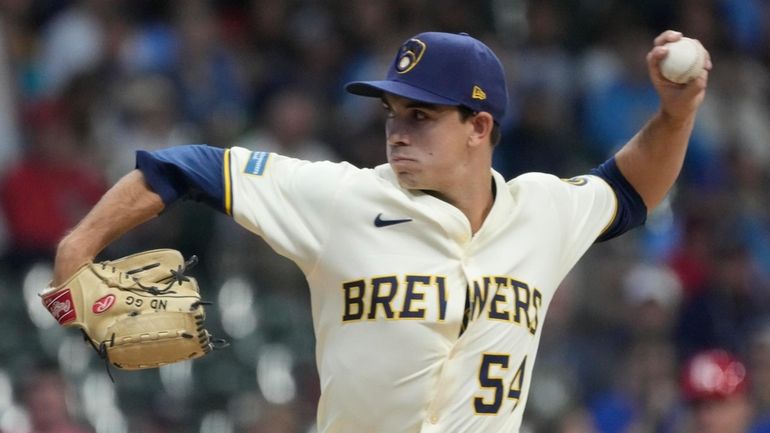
x,y
103,304
140,311
59,304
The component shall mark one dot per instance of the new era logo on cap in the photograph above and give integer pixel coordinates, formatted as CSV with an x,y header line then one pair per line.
x,y
478,93
445,69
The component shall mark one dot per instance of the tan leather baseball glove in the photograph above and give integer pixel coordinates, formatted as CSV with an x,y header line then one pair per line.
x,y
139,311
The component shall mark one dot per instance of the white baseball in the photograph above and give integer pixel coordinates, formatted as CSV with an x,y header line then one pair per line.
x,y
684,61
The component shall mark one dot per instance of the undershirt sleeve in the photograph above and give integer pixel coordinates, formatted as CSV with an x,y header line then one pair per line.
x,y
631,212
188,172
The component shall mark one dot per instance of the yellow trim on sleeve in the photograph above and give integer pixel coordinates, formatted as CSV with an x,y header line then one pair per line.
x,y
227,175
614,212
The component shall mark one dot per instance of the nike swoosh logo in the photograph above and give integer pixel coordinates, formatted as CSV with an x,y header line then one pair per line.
x,y
379,222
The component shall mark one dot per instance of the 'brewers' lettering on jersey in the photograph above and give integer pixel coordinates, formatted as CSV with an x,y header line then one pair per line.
x,y
374,298
392,297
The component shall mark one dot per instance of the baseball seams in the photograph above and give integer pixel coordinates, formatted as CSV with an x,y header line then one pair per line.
x,y
695,66
670,65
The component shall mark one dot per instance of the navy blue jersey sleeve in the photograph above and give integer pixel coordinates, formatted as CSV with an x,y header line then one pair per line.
x,y
190,172
632,212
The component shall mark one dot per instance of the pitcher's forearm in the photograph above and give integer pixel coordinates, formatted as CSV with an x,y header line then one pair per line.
x,y
127,204
652,160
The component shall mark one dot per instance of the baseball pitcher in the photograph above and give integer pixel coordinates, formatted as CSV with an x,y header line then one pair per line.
x,y
430,276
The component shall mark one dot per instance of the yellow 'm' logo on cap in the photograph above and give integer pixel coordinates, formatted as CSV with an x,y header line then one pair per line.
x,y
478,93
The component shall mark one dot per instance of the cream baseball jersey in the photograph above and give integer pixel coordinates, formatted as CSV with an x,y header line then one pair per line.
x,y
388,271
391,272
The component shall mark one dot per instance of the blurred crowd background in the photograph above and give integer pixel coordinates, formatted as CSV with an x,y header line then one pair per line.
x,y
85,83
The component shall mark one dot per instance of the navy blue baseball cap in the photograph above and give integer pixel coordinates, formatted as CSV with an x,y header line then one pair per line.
x,y
444,69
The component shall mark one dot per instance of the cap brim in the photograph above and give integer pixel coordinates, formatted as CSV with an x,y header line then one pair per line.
x,y
375,89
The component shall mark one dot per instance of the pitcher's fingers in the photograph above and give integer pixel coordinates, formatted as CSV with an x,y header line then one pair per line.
x,y
654,57
668,36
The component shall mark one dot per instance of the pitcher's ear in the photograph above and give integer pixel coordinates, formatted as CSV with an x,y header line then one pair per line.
x,y
483,123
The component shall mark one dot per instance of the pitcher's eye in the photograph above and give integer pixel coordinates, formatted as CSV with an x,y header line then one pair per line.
x,y
388,111
419,115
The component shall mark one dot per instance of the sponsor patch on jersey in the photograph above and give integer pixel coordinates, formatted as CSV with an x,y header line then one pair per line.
x,y
103,304
577,181
61,306
257,163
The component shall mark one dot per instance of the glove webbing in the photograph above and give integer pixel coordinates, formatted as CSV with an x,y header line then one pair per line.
x,y
176,276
